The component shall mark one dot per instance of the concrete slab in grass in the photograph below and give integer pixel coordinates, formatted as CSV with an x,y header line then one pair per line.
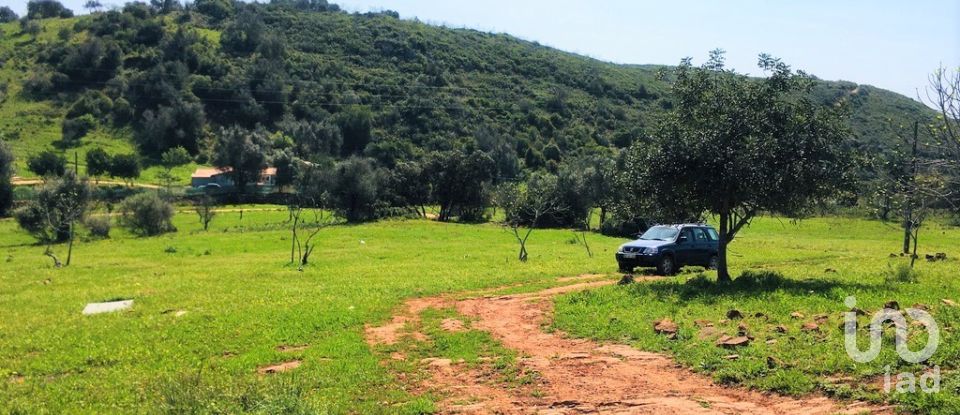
x,y
97,308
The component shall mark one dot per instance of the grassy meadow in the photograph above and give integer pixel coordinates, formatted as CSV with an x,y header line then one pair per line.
x,y
809,267
242,301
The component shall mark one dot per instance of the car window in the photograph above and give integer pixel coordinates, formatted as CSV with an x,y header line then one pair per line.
x,y
698,235
712,234
661,233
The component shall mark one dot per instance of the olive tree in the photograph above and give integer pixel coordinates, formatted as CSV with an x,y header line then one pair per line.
x,y
525,204
53,215
736,147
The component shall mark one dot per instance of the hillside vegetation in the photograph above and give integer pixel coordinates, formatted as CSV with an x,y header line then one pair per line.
x,y
328,84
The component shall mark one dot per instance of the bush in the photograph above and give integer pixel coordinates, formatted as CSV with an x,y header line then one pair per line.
x,y
47,163
76,128
125,166
618,225
98,162
99,226
147,214
903,273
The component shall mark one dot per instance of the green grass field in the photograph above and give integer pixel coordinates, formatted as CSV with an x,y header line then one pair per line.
x,y
242,301
810,267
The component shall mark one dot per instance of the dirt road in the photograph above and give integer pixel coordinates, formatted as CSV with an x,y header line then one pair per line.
x,y
580,376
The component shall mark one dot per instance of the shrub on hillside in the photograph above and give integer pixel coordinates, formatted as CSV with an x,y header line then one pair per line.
x,y
47,163
76,128
147,214
99,226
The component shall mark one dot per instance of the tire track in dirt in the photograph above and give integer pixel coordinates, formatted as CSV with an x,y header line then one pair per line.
x,y
579,376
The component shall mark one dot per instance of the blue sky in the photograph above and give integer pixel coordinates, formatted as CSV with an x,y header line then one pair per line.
x,y
886,43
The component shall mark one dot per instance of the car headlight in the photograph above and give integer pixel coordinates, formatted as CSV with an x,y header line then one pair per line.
x,y
650,250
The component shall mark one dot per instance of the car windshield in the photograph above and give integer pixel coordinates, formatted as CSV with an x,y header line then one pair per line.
x,y
659,233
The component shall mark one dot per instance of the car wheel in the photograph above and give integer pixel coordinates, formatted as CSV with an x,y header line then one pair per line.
x,y
714,262
666,266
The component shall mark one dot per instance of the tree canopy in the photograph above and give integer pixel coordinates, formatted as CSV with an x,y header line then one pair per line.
x,y
737,147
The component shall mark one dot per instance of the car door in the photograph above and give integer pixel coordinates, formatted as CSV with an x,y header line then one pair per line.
x,y
685,248
701,246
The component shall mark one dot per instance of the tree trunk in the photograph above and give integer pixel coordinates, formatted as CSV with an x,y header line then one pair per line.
x,y
723,275
907,230
603,216
908,213
913,257
70,245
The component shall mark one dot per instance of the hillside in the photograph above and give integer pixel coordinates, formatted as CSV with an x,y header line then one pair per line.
x,y
335,84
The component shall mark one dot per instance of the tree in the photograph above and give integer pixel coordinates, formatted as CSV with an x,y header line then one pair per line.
x,y
914,184
147,214
7,15
125,167
204,207
170,159
301,248
92,5
735,147
180,124
98,163
243,34
355,123
53,215
217,10
525,205
352,189
47,163
501,150
74,129
409,186
943,93
459,183
242,152
44,9
6,175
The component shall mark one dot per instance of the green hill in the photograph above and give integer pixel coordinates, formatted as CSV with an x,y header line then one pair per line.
x,y
337,84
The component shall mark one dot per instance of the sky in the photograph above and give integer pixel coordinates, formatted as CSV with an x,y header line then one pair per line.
x,y
886,43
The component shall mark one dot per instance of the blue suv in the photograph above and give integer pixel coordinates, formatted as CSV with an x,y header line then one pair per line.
x,y
669,247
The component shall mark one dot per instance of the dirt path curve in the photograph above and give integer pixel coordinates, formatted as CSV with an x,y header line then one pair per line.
x,y
581,376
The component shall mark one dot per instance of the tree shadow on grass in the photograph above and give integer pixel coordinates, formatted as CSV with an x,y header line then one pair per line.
x,y
750,284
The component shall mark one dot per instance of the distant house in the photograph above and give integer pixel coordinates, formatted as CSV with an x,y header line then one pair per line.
x,y
206,176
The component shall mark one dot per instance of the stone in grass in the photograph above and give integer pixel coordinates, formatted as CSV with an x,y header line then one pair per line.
x,y
666,327
734,314
810,326
731,342
796,315
108,307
